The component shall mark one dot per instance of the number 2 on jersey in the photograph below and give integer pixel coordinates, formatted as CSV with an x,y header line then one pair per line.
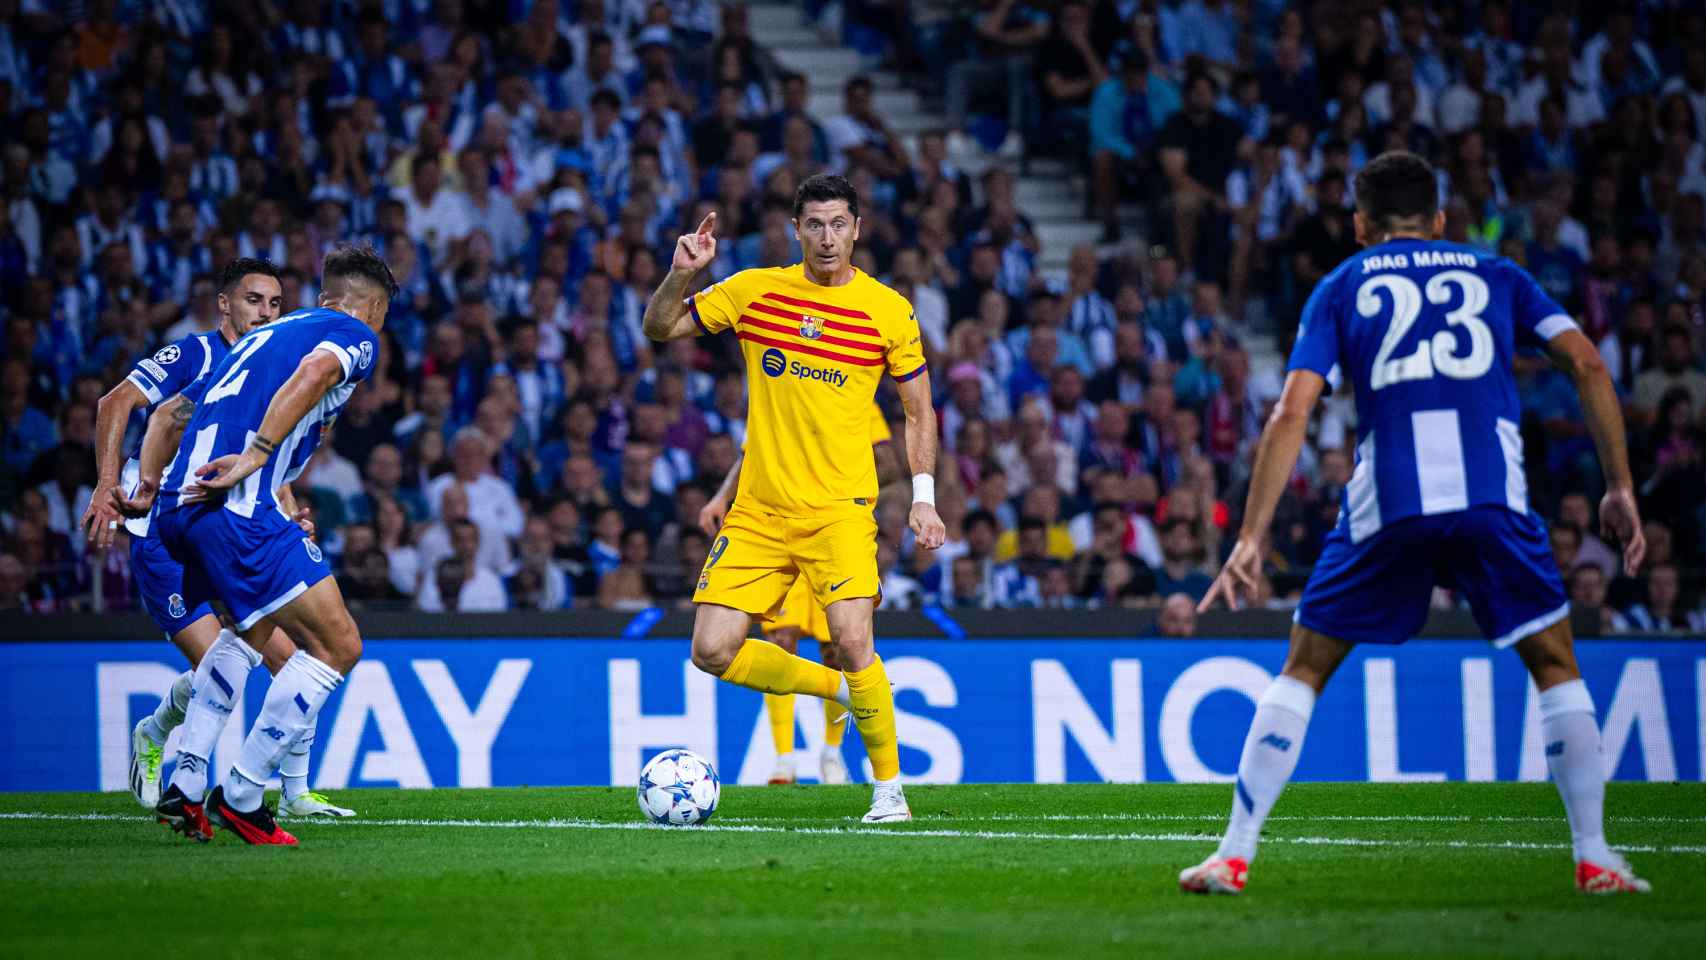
x,y
1439,353
232,382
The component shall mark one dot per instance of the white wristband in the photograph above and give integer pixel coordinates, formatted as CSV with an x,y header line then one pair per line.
x,y
924,488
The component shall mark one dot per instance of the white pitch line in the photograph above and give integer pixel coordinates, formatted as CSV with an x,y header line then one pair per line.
x,y
892,833
1221,817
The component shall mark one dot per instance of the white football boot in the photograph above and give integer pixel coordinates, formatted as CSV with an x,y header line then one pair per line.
x,y
783,774
311,804
831,768
145,758
888,804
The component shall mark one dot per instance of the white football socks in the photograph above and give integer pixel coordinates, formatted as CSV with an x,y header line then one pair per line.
x,y
1270,755
293,769
218,678
1571,733
170,711
292,704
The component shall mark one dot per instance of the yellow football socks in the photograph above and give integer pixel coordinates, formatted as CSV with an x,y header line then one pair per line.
x,y
873,712
780,707
764,666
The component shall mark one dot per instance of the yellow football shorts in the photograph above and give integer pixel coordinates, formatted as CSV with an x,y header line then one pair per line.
x,y
802,610
757,557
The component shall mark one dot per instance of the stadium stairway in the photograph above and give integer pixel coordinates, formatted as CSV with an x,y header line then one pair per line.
x,y
1050,191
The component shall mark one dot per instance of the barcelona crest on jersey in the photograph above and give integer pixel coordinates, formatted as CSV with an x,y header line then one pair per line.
x,y
811,327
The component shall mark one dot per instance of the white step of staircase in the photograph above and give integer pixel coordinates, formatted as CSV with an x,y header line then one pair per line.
x,y
770,17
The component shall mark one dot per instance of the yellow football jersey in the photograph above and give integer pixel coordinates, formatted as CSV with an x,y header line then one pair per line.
x,y
814,357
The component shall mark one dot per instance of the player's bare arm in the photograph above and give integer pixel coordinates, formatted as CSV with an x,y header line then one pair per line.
x,y
921,455
298,514
712,513
159,442
112,414
667,316
1619,516
1276,455
317,374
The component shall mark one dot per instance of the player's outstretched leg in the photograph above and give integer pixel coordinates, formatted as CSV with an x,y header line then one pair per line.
x,y
1571,734
873,705
213,695
831,767
148,740
721,648
1270,755
330,646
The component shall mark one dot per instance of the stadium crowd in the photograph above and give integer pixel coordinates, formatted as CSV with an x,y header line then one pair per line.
x,y
526,166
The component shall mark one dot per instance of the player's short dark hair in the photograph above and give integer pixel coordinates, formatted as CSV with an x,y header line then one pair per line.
x,y
822,188
1397,185
241,267
357,261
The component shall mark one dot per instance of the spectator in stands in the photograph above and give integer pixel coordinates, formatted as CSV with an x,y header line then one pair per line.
x,y
1198,149
1017,582
538,582
1178,617
492,503
1181,552
1587,591
1566,542
1007,33
469,586
1662,609
1069,69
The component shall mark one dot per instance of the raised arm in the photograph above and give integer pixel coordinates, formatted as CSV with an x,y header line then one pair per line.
x,y
112,415
667,316
1619,516
1276,455
712,513
921,454
316,375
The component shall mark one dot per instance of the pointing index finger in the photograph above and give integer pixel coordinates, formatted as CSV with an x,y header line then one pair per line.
x,y
707,225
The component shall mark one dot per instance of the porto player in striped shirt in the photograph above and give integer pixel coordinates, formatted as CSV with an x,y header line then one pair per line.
x,y
817,337
1425,331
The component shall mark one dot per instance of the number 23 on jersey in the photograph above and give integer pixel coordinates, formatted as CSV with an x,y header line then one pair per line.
x,y
1436,354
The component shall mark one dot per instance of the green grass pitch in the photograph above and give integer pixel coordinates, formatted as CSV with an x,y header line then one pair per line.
x,y
984,871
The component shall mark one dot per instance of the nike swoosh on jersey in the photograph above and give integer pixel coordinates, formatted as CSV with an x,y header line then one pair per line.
x,y
837,586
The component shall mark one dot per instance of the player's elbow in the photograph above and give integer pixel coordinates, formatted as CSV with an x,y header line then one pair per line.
x,y
120,400
1587,366
1288,416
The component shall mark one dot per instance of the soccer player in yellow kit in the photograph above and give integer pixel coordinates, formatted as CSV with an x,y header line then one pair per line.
x,y
802,616
817,337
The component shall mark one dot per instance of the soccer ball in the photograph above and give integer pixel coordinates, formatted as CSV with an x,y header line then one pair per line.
x,y
678,788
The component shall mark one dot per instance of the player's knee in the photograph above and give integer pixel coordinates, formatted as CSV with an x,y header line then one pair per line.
x,y
826,653
342,646
712,653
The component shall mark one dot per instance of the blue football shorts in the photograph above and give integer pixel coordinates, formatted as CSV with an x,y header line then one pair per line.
x,y
254,565
1378,591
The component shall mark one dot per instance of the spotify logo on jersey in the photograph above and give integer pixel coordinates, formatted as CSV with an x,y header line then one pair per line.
x,y
773,362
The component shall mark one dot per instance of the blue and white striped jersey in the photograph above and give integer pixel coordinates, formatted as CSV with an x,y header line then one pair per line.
x,y
1426,332
233,400
168,372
